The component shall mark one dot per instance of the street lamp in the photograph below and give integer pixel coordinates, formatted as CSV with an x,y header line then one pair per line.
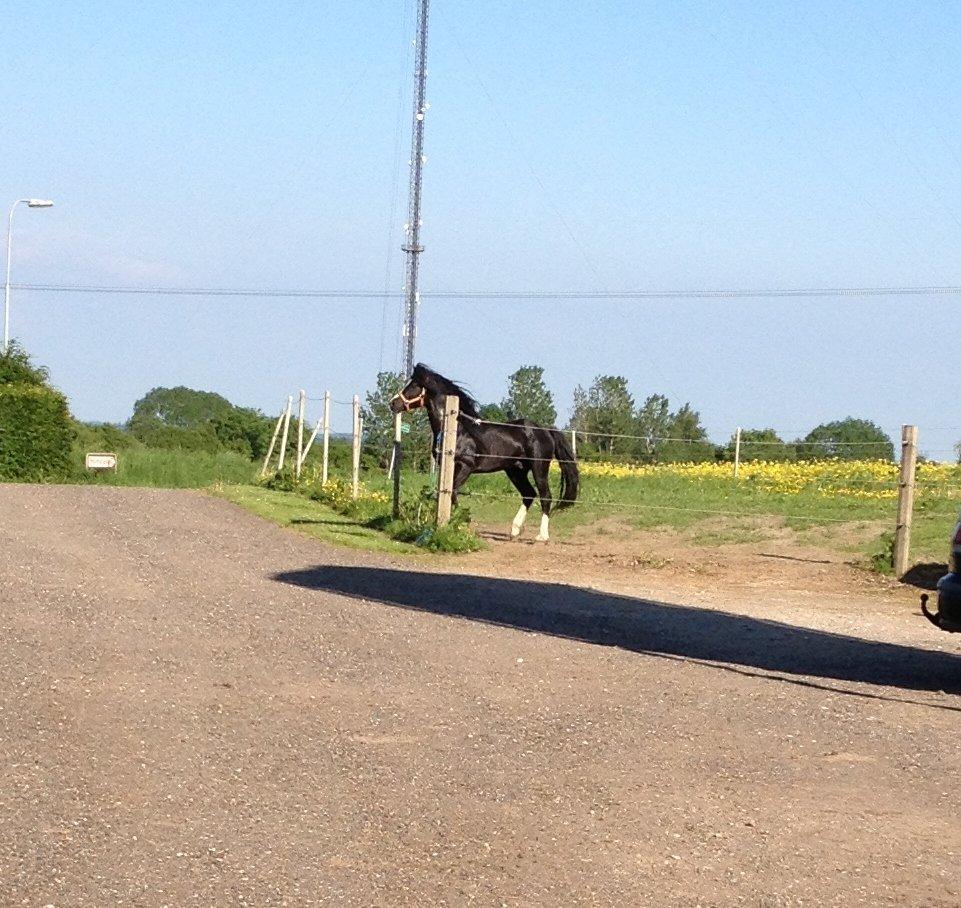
x,y
30,203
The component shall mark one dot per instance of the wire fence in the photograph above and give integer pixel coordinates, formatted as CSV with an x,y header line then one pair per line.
x,y
853,486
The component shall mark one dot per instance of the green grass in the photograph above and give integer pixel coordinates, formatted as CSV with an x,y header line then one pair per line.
x,y
738,511
312,518
712,512
171,469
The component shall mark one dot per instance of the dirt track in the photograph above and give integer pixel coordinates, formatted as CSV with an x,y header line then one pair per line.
x,y
198,708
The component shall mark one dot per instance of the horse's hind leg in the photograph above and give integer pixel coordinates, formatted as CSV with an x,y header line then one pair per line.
x,y
518,476
540,470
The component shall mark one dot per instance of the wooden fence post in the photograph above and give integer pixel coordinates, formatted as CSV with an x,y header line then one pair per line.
x,y
574,443
355,451
448,448
395,464
737,452
283,440
300,432
902,533
323,478
273,444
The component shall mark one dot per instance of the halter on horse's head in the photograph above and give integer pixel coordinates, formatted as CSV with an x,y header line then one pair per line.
x,y
408,403
413,394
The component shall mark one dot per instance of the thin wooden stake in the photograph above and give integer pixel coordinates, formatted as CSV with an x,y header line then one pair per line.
x,y
300,431
448,450
902,532
737,452
283,440
323,477
310,442
355,451
273,444
395,463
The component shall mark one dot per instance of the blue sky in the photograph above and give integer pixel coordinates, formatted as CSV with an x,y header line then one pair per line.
x,y
570,146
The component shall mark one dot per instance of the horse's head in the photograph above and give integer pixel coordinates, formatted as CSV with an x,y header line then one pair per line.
x,y
412,395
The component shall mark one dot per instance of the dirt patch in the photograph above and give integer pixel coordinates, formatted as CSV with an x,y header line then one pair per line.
x,y
736,556
197,707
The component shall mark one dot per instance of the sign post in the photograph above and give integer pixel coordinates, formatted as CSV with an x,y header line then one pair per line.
x,y
100,462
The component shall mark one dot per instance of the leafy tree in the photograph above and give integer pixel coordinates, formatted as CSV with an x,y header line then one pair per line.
x,y
761,444
16,368
246,431
36,431
200,421
654,417
687,438
847,439
493,413
180,407
529,398
379,425
604,411
652,422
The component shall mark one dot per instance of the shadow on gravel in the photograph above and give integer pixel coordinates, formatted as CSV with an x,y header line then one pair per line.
x,y
925,576
653,628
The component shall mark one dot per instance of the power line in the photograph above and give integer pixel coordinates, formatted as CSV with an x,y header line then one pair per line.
x,y
787,293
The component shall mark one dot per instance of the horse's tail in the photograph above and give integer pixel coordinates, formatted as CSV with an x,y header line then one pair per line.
x,y
570,475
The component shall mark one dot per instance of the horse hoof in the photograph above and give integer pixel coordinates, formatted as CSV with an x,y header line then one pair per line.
x,y
542,539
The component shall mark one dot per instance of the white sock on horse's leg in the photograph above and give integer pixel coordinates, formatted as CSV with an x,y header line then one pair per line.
x,y
518,521
544,535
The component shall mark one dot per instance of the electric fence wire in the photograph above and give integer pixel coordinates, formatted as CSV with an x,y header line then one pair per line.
x,y
546,295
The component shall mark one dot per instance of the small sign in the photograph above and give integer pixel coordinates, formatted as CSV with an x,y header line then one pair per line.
x,y
101,461
405,428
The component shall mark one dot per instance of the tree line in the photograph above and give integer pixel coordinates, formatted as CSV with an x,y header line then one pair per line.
x,y
611,425
37,432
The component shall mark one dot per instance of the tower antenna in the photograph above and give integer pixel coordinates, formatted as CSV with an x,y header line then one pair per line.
x,y
413,246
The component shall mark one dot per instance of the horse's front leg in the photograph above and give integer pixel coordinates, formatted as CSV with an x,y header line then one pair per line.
x,y
462,469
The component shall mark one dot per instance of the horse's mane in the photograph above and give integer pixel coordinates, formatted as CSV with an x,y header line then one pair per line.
x,y
428,378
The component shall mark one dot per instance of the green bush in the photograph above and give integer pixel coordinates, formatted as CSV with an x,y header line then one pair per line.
x,y
36,433
102,436
176,438
373,510
881,556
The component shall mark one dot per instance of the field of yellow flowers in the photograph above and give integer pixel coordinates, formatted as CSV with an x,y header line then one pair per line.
x,y
864,479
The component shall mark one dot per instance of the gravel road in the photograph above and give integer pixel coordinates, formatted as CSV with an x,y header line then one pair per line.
x,y
199,708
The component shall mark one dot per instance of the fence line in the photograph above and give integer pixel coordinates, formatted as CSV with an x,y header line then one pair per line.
x,y
692,441
892,483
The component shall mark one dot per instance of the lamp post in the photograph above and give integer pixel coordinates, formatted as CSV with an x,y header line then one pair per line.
x,y
30,203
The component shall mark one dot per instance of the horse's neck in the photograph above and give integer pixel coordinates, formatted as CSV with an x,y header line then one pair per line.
x,y
435,414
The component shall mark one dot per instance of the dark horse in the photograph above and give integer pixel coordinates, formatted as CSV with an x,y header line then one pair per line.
x,y
518,448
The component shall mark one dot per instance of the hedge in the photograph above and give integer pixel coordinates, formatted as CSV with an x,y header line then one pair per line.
x,y
35,434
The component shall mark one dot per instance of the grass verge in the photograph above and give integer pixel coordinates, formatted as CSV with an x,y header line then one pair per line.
x,y
171,469
312,518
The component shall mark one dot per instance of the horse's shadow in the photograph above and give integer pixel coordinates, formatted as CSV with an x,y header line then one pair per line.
x,y
727,641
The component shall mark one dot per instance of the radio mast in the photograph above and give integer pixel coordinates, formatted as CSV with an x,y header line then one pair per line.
x,y
413,246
